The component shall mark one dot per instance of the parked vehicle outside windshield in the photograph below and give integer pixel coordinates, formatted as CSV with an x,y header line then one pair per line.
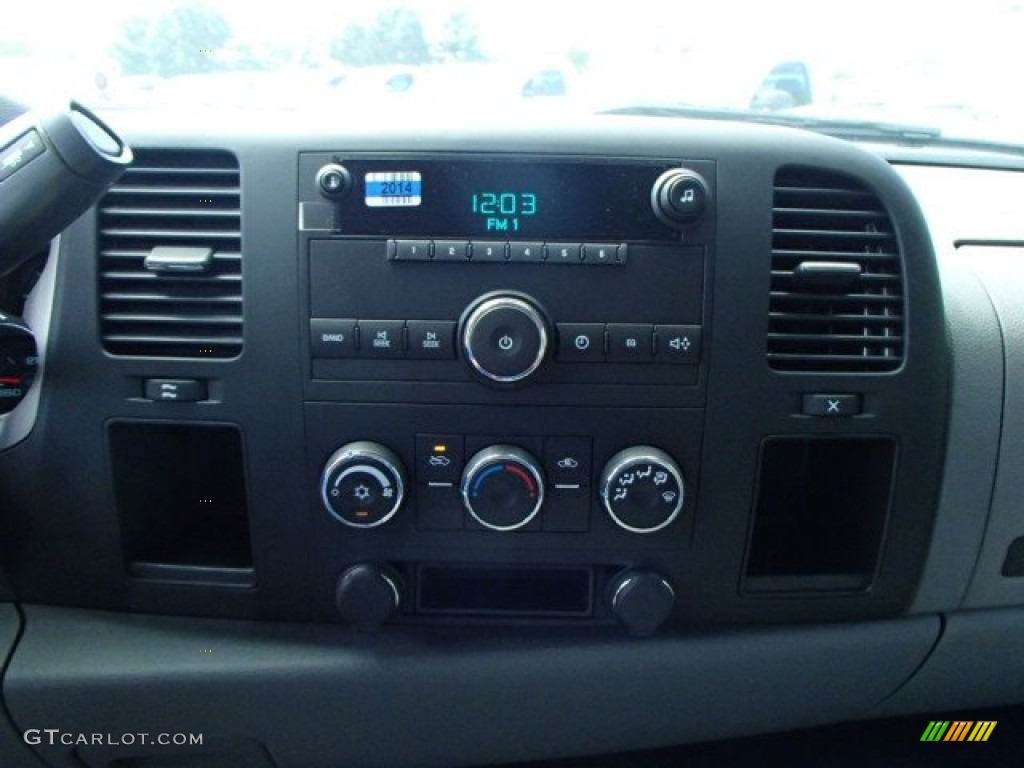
x,y
949,66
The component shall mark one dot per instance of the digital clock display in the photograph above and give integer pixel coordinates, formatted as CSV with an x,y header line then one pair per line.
x,y
504,198
503,211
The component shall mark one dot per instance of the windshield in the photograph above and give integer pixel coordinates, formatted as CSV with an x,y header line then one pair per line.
x,y
945,67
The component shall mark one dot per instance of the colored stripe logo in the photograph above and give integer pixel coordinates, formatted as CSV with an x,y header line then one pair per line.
x,y
958,730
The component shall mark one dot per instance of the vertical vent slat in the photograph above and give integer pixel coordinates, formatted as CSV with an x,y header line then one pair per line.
x,y
172,198
824,221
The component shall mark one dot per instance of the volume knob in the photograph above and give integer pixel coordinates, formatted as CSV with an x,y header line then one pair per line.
x,y
504,339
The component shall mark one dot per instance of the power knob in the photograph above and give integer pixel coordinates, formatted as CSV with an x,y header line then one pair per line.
x,y
679,197
505,339
363,484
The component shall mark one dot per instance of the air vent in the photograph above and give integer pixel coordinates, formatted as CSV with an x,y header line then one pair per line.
x,y
836,279
170,257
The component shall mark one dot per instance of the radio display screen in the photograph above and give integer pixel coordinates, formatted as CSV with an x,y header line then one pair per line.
x,y
503,199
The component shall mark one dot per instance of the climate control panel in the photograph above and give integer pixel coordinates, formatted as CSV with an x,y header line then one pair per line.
x,y
503,486
505,513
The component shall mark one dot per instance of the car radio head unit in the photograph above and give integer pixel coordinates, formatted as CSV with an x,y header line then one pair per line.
x,y
506,271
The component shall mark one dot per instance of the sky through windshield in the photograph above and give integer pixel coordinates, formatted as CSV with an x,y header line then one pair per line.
x,y
881,59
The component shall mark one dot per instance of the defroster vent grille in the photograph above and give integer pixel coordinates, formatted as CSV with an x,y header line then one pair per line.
x,y
837,297
170,256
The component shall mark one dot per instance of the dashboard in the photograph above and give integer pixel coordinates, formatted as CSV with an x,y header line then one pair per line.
x,y
555,440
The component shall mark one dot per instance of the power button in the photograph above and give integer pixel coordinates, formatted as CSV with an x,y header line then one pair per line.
x,y
504,339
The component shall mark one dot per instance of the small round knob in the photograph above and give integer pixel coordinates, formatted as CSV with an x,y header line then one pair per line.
x,y
333,180
367,595
642,600
504,339
19,362
502,487
642,489
679,197
363,484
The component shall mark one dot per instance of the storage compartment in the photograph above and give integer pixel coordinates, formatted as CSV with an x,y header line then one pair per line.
x,y
504,591
820,513
181,501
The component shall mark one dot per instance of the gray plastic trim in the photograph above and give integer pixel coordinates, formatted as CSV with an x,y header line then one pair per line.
x,y
978,663
1002,271
973,439
328,696
14,753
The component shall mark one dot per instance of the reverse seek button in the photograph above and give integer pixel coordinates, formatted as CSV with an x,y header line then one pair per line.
x,y
333,338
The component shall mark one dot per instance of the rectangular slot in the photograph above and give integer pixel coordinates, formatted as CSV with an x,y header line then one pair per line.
x,y
181,502
820,514
504,591
1013,565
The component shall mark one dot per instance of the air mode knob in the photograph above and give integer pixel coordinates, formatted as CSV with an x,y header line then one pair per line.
x,y
505,338
363,484
679,197
502,487
642,489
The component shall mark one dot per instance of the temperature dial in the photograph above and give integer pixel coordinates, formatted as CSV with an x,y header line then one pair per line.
x,y
502,487
363,484
642,488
